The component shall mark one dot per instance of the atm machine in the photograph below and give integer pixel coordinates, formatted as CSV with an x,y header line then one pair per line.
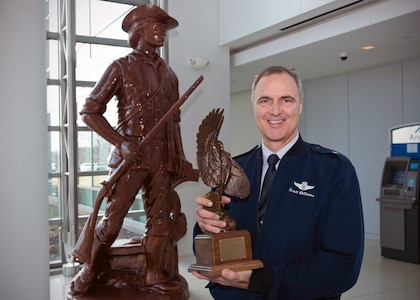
x,y
399,196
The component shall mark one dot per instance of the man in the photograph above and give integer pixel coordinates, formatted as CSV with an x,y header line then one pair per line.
x,y
311,236
146,88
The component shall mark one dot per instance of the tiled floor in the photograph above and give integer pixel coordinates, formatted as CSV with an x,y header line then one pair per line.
x,y
385,279
380,279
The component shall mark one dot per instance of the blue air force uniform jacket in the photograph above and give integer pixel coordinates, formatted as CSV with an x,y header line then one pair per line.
x,y
312,239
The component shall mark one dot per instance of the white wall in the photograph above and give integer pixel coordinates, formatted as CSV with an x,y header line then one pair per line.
x,y
375,104
330,107
250,18
197,36
247,14
244,134
411,95
24,253
351,113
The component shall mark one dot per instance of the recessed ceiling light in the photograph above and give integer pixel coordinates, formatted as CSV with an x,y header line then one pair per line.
x,y
368,47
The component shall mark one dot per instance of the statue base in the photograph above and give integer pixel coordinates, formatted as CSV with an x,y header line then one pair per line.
x,y
226,250
123,277
111,293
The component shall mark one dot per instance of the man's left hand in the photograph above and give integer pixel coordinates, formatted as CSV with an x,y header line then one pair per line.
x,y
228,277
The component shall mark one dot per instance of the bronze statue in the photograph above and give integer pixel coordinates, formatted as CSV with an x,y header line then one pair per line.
x,y
230,248
217,168
148,155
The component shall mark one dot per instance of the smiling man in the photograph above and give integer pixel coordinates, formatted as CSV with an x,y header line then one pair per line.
x,y
277,107
311,235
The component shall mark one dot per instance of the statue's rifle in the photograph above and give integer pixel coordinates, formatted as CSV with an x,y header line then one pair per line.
x,y
83,247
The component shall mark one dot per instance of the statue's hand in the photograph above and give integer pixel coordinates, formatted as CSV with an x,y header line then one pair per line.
x,y
131,152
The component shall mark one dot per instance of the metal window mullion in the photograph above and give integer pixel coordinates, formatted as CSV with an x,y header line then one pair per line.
x,y
63,201
72,121
68,125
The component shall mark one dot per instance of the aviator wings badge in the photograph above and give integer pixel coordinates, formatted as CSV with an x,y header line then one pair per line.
x,y
304,186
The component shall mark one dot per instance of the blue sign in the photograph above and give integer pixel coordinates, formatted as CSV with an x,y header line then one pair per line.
x,y
405,140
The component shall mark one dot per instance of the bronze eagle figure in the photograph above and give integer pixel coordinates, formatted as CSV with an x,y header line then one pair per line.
x,y
217,168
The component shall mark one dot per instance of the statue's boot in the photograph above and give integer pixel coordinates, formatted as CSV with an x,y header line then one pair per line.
x,y
85,279
156,277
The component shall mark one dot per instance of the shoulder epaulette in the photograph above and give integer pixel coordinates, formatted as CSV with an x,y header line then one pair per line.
x,y
320,149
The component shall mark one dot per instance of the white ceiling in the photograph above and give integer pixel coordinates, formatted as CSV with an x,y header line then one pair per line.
x,y
396,40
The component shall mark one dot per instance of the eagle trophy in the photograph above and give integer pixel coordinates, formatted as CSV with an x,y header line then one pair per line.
x,y
217,168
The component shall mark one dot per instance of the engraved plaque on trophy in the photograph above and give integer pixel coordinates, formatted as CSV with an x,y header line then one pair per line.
x,y
231,248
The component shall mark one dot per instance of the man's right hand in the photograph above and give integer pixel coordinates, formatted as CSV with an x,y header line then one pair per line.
x,y
209,221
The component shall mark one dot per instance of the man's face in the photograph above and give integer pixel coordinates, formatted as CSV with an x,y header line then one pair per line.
x,y
155,33
277,108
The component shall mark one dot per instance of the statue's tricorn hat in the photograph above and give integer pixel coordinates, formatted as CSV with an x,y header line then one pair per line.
x,y
148,11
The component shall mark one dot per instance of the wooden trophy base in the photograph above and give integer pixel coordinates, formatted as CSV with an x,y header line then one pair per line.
x,y
226,250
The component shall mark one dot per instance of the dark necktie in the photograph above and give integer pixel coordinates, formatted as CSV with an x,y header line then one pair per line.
x,y
266,187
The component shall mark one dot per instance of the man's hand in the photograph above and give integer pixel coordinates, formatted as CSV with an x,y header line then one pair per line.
x,y
209,221
228,277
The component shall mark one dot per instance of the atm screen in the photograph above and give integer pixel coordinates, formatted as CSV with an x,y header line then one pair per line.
x,y
398,176
414,166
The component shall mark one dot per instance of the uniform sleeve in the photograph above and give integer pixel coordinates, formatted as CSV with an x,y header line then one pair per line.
x,y
336,266
103,91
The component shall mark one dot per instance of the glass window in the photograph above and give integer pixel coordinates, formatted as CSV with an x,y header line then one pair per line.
x,y
94,59
52,59
100,18
93,152
51,18
54,217
54,146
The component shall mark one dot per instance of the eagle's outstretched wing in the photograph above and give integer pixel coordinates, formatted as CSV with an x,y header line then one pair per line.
x,y
208,159
217,168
